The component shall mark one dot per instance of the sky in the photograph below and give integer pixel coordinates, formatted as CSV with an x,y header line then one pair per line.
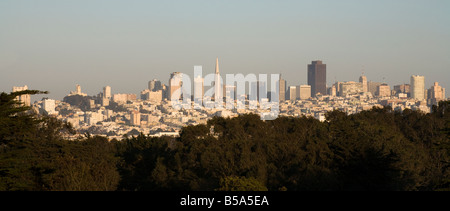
x,y
52,45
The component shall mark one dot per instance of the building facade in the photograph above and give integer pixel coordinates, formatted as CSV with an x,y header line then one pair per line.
x,y
292,92
436,94
282,89
363,81
317,78
25,99
303,92
418,87
383,90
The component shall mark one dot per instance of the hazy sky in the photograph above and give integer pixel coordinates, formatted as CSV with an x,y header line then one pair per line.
x,y
53,45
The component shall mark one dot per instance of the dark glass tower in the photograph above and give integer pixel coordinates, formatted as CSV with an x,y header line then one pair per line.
x,y
317,78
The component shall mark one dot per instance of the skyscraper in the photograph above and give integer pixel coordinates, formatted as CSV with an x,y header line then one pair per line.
x,y
154,85
418,87
217,84
363,81
292,93
199,90
282,89
253,91
436,94
262,90
229,92
317,78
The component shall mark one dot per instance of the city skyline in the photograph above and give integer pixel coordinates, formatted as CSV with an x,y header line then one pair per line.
x,y
162,109
53,45
156,84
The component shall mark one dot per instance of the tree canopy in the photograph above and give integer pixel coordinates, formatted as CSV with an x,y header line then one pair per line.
x,y
378,149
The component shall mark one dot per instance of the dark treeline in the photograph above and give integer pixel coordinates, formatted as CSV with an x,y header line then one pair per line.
x,y
377,149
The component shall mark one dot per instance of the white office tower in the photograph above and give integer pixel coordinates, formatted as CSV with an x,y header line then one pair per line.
x,y
418,87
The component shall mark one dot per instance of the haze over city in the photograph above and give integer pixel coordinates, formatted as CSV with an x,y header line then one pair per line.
x,y
54,45
181,98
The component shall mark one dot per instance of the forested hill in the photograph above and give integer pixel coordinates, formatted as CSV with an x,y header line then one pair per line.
x,y
373,150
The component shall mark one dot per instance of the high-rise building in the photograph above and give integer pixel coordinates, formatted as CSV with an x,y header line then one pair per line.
x,y
217,84
363,81
199,90
436,94
282,89
418,87
165,91
107,92
175,83
262,90
258,90
317,78
229,92
383,90
25,99
332,90
154,97
154,85
48,106
253,91
372,87
337,87
303,92
292,92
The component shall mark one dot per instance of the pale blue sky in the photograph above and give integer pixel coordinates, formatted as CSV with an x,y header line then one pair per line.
x,y
54,44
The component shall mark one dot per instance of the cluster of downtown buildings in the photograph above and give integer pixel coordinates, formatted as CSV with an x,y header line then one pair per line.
x,y
153,113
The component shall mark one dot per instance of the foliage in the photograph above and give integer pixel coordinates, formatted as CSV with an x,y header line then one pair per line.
x,y
35,156
240,184
378,149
